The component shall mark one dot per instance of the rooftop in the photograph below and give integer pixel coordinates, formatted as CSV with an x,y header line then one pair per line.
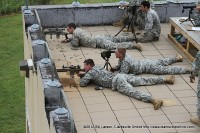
x,y
111,108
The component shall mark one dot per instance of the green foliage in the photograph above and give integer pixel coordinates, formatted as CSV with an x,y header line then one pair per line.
x,y
82,1
12,99
11,6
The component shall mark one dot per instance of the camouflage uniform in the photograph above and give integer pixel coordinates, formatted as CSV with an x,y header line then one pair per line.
x,y
123,83
196,18
152,27
138,14
140,19
159,66
83,38
129,9
196,72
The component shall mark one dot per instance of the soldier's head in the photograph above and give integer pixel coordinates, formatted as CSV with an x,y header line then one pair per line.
x,y
144,6
198,6
88,64
120,53
71,27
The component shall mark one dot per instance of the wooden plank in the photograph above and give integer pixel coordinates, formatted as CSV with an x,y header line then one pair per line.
x,y
172,30
192,36
189,56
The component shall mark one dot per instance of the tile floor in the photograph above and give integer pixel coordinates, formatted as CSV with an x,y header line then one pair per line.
x,y
105,111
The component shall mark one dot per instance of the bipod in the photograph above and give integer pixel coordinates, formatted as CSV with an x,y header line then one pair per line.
x,y
107,63
188,19
130,24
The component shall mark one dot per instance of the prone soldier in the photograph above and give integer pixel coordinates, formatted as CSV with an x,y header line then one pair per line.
x,y
129,65
123,83
82,38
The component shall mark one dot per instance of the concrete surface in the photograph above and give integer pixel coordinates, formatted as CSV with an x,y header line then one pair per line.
x,y
105,110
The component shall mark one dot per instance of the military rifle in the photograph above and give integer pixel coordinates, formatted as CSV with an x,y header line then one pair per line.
x,y
188,7
190,12
55,31
71,69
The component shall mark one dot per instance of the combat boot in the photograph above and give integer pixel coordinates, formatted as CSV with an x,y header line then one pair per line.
x,y
179,58
157,103
137,46
156,38
170,79
195,121
119,24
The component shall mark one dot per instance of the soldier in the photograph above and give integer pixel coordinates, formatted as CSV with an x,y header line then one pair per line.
x,y
195,72
196,15
129,65
82,38
130,9
123,83
152,27
133,9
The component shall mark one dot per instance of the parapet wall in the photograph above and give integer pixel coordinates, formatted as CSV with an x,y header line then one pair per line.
x,y
97,14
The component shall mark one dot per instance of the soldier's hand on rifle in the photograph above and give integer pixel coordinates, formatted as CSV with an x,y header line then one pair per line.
x,y
65,41
80,74
113,69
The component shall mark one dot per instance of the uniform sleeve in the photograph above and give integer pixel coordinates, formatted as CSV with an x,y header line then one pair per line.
x,y
196,17
195,68
149,22
117,67
197,22
75,41
124,68
85,80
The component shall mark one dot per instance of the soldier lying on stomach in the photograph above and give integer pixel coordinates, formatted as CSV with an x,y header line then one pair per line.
x,y
124,83
83,38
128,65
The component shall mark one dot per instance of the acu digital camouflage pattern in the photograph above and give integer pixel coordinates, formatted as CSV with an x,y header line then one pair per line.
x,y
196,18
141,16
158,66
123,83
133,9
99,76
196,72
83,38
152,27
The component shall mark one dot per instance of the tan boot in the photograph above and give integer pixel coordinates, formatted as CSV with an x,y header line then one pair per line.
x,y
179,58
170,79
157,103
138,46
195,121
118,24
